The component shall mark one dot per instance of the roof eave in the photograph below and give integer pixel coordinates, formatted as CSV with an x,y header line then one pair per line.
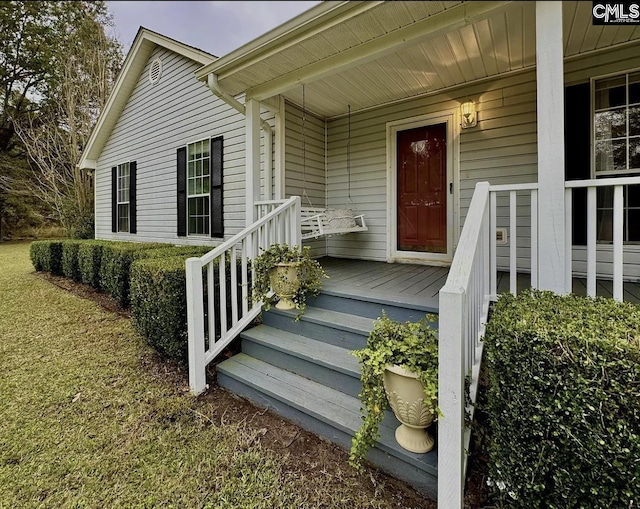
x,y
317,18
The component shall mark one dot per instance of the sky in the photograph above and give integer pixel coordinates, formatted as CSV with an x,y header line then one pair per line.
x,y
215,27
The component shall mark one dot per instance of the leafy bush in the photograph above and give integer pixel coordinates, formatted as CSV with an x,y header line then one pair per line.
x,y
159,302
70,266
37,253
46,255
89,257
564,401
114,267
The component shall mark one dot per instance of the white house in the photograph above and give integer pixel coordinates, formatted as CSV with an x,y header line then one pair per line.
x,y
397,111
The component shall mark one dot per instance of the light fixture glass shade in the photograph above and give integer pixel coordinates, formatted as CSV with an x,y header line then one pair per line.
x,y
469,117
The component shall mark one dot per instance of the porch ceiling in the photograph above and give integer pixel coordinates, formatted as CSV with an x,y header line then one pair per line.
x,y
365,54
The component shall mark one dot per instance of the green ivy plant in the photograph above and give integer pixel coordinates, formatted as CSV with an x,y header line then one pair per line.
x,y
310,273
413,345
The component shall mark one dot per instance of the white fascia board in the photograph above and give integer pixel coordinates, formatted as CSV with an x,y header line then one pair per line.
x,y
317,19
141,49
445,21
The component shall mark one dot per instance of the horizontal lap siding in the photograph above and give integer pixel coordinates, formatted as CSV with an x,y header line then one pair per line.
x,y
305,164
501,149
157,120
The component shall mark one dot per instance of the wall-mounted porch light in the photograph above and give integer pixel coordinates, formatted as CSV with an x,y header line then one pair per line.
x,y
469,117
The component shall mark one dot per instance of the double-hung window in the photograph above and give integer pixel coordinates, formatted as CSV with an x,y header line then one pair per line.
x,y
198,188
123,197
616,143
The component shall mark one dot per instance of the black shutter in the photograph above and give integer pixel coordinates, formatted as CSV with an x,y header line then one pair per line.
x,y
577,153
182,191
217,222
114,199
133,167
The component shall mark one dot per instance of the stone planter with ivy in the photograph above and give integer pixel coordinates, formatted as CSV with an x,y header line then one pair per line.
x,y
407,348
286,275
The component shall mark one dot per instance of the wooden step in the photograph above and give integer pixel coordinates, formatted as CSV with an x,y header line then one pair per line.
x,y
340,329
326,412
324,363
372,306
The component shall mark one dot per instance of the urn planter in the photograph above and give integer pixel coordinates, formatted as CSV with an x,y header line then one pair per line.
x,y
406,397
285,282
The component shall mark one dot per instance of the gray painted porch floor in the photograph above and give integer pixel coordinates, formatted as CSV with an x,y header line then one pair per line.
x,y
420,284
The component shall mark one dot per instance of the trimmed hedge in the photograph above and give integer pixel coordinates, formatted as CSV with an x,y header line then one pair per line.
x,y
159,302
46,255
114,267
89,258
70,268
564,401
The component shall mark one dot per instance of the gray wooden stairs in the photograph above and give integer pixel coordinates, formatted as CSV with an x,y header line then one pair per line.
x,y
304,371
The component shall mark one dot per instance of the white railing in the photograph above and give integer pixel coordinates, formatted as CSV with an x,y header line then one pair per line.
x,y
472,284
617,274
219,286
464,305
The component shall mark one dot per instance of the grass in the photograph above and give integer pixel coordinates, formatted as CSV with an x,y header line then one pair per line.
x,y
84,422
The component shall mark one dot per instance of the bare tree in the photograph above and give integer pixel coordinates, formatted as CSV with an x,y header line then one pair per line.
x,y
55,136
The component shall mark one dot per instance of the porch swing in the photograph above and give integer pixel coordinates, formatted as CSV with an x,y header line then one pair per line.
x,y
320,222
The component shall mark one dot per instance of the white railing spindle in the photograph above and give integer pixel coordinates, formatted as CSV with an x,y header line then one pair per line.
x,y
277,220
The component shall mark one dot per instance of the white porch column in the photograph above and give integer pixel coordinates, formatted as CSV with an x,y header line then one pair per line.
x,y
550,108
252,158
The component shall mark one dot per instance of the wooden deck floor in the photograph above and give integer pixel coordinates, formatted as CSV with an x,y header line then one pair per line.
x,y
420,284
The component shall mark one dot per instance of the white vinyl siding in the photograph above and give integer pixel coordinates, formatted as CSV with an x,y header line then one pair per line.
x,y
123,211
157,120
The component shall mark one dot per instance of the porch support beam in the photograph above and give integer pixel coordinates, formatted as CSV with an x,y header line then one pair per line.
x,y
445,21
252,158
550,116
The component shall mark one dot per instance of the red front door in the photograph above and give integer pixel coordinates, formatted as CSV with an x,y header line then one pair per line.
x,y
422,189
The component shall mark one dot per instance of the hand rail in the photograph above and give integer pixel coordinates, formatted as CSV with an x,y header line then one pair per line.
x,y
219,284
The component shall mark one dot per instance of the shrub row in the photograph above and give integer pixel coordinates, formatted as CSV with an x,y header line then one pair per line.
x,y
150,278
564,401
159,301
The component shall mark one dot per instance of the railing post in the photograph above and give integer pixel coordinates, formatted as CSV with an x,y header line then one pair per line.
x,y
195,325
451,356
296,228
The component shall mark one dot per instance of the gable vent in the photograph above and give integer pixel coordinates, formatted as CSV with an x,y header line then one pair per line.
x,y
155,71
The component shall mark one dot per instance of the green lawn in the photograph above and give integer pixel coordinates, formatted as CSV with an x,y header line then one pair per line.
x,y
85,423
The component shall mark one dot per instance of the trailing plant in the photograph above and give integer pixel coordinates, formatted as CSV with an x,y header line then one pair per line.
x,y
310,274
414,346
563,401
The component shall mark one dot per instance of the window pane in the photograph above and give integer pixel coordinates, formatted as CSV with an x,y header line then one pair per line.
x,y
632,228
634,121
192,225
633,196
610,124
192,187
198,186
192,206
192,169
205,185
205,225
123,218
205,166
205,202
611,92
199,225
605,225
205,148
192,151
634,88
634,153
611,155
198,167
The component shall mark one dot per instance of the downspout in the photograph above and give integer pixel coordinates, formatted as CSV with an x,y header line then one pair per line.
x,y
214,86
